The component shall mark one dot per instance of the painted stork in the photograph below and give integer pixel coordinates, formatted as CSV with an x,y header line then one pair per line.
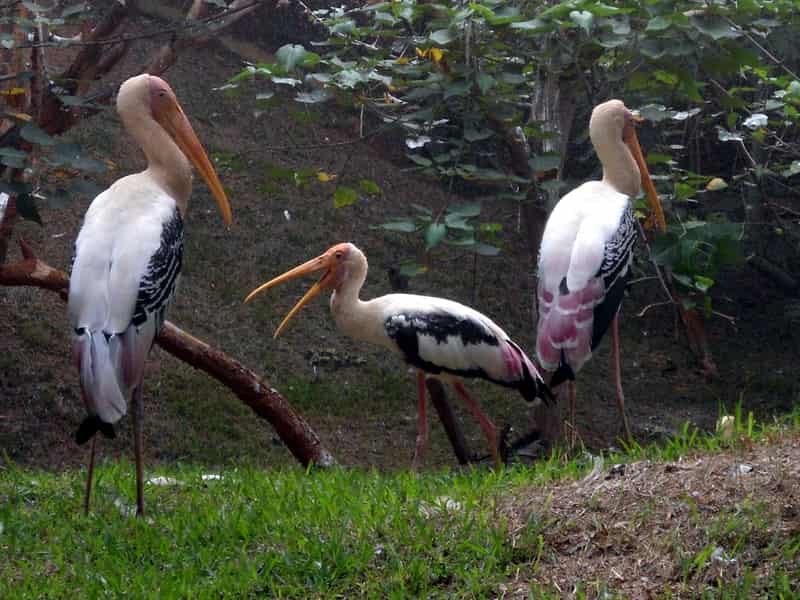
x,y
127,261
585,253
439,337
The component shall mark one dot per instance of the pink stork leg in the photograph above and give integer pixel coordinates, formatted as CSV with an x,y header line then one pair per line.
x,y
422,422
488,427
90,473
618,375
138,415
571,396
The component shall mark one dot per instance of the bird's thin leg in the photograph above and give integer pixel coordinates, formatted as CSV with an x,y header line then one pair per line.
x,y
488,427
138,415
618,375
571,396
90,473
422,422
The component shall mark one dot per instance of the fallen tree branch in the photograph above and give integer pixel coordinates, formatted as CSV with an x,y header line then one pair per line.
x,y
248,386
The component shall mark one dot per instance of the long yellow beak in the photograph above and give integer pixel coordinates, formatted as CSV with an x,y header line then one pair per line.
x,y
174,121
324,261
629,135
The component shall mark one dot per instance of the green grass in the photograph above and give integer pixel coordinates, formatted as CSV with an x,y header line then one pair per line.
x,y
332,533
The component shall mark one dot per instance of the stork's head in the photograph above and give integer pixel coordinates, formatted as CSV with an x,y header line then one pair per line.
x,y
339,263
612,122
150,97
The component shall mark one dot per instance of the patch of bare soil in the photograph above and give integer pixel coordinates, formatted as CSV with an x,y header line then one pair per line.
x,y
646,529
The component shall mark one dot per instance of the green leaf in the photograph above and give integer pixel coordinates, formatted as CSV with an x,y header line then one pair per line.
x,y
344,196
369,187
459,88
313,97
412,269
659,23
404,226
533,26
470,209
424,210
684,280
703,283
73,10
793,169
350,78
345,26
442,37
35,135
434,234
12,157
455,221
286,81
290,56
657,158
714,26
475,135
420,160
486,249
26,207
584,19
485,82
599,9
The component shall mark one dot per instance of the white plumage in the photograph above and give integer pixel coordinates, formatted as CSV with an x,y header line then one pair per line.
x,y
577,232
586,250
439,337
127,260
121,232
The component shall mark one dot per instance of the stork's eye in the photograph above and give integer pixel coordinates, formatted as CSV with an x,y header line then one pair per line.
x,y
338,255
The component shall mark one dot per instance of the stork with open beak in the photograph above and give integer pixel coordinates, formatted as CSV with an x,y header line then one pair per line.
x,y
586,249
127,260
440,338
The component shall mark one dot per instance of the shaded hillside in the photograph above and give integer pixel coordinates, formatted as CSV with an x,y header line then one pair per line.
x,y
361,401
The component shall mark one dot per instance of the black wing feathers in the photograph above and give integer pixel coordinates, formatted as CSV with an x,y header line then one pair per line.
x,y
158,284
614,271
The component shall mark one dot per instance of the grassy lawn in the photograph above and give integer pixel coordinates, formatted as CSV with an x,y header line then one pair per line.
x,y
349,532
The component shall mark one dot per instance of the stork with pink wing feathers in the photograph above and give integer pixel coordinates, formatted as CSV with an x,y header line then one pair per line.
x,y
586,250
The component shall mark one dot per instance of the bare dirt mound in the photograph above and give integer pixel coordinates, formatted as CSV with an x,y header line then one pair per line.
x,y
648,529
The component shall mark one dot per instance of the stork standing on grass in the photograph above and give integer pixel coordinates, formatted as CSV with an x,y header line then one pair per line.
x,y
439,337
585,253
127,260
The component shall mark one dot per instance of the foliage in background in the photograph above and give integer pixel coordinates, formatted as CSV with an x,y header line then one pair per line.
x,y
715,80
52,170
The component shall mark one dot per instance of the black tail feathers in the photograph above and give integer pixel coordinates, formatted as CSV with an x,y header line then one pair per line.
x,y
532,387
92,425
563,373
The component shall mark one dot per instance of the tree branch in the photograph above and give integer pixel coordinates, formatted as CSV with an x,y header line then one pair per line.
x,y
264,400
165,56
